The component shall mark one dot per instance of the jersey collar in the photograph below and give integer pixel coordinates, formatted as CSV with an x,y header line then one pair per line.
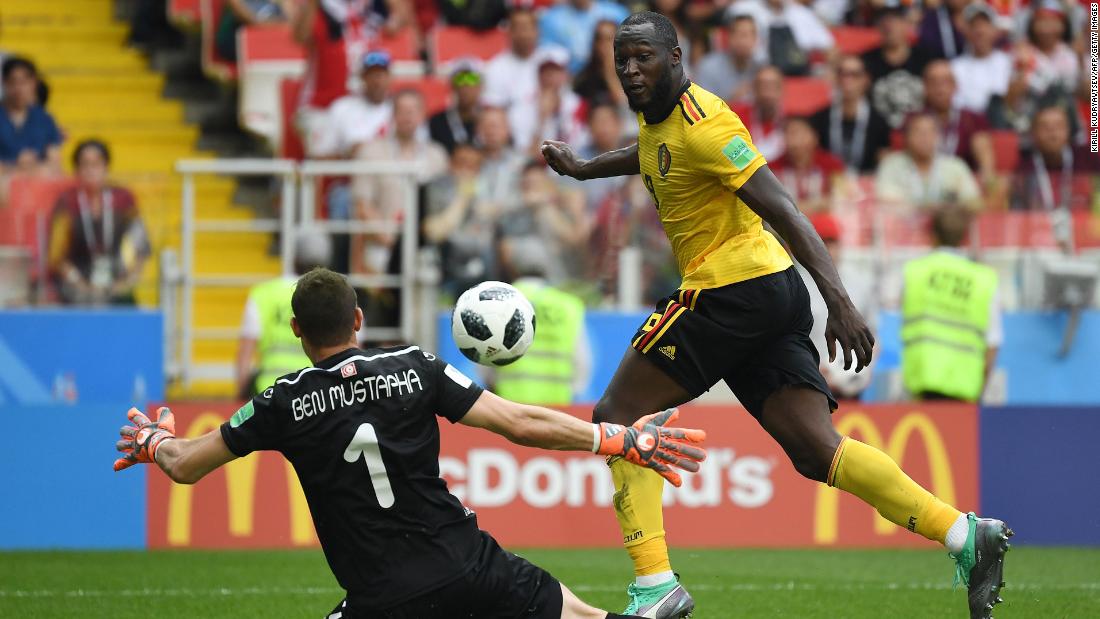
x,y
331,362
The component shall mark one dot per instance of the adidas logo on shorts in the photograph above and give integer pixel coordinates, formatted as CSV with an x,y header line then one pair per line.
x,y
668,351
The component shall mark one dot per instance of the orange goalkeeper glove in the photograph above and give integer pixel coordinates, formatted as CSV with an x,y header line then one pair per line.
x,y
140,441
650,443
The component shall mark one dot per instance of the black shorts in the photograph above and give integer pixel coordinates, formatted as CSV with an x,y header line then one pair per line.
x,y
499,586
755,335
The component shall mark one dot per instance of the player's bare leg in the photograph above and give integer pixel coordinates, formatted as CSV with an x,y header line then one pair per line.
x,y
638,388
798,418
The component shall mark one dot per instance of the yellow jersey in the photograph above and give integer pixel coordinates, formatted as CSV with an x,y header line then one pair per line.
x,y
692,163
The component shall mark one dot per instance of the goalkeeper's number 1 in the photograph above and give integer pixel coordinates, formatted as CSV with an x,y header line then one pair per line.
x,y
365,443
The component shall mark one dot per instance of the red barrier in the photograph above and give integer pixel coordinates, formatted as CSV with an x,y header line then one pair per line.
x,y
746,495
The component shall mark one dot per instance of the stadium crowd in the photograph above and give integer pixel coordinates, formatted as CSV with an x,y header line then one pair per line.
x,y
933,111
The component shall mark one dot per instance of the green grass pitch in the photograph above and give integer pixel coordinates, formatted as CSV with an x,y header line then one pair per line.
x,y
1042,582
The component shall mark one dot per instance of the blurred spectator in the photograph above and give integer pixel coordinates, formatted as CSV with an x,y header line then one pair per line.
x,y
850,127
1050,62
965,132
728,73
512,76
941,30
598,79
267,347
460,221
984,70
29,138
477,14
763,114
149,27
238,13
500,164
808,171
554,113
949,340
355,119
847,384
606,129
895,68
98,244
1055,174
626,218
326,75
788,33
572,25
1016,108
921,177
456,123
382,197
549,223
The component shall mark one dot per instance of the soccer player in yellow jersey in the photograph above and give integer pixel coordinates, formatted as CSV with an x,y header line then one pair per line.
x,y
742,315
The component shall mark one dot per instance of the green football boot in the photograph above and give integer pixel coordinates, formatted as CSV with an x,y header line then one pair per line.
x,y
980,564
664,601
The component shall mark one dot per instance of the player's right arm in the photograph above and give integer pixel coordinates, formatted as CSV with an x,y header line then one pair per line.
x,y
560,157
184,460
649,442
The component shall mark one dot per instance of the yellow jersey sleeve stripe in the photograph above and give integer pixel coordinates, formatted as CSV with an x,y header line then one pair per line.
x,y
668,323
698,107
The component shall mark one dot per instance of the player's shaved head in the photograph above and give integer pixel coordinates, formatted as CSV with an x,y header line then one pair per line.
x,y
664,31
324,307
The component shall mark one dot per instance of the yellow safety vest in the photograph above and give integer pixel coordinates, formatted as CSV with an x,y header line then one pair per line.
x,y
945,315
278,350
545,374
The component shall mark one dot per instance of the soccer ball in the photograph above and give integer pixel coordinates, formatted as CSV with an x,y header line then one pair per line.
x,y
493,323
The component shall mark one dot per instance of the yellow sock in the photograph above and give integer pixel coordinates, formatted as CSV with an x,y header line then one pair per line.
x,y
873,476
641,517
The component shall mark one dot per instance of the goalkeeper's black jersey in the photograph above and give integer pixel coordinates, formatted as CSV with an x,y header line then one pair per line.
x,y
361,432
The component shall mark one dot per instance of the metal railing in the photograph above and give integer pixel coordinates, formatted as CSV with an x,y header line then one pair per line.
x,y
297,196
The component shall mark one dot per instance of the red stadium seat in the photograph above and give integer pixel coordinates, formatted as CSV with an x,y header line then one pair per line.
x,y
291,146
802,96
1006,149
856,39
184,12
267,42
26,220
436,91
449,43
213,65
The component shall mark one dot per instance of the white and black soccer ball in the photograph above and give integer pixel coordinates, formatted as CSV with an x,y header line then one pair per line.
x,y
493,323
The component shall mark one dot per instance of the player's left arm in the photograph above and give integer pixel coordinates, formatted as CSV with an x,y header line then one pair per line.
x,y
769,199
185,461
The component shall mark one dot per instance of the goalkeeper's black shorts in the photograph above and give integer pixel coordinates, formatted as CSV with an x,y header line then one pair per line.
x,y
499,585
754,334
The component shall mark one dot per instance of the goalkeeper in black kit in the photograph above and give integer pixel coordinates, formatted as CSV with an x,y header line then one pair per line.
x,y
360,429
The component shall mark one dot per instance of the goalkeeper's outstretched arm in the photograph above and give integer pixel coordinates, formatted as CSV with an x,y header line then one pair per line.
x,y
184,460
649,442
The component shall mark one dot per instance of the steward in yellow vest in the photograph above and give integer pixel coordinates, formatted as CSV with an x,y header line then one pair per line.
x,y
267,348
547,374
950,324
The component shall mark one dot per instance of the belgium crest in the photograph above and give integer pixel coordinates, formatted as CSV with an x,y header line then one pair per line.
x,y
664,159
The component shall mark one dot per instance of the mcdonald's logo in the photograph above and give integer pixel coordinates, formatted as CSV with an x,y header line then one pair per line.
x,y
240,486
860,426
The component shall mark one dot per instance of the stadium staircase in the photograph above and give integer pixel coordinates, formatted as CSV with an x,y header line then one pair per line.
x,y
100,88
